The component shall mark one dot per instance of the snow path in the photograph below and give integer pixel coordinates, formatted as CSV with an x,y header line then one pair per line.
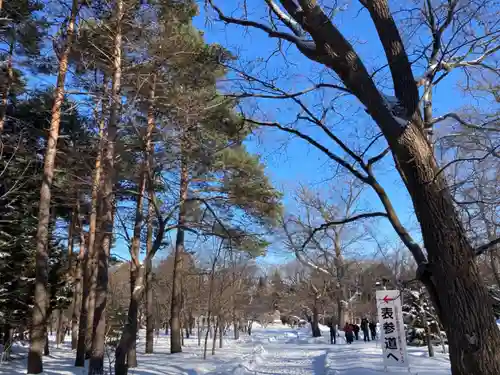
x,y
274,350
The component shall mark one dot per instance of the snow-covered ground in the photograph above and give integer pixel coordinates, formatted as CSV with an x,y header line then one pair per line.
x,y
276,349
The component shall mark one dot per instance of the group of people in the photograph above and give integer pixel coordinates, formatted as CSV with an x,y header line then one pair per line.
x,y
368,328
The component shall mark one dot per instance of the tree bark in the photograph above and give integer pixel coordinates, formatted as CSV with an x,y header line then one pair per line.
x,y
452,276
89,260
316,332
46,349
126,350
205,346
77,291
175,313
236,330
134,269
94,227
41,297
198,326
60,327
96,364
216,329
221,333
149,236
149,278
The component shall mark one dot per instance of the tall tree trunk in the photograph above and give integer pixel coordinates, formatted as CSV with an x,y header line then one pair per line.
x,y
149,236
41,297
46,349
77,291
316,332
149,277
221,332
199,330
96,365
205,346
60,327
452,276
125,354
134,269
89,264
6,89
236,330
175,313
216,329
95,238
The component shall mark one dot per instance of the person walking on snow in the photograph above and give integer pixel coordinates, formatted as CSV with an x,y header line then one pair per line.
x,y
349,333
373,330
333,332
364,328
356,331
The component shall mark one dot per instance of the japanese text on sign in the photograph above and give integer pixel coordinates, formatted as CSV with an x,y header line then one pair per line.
x,y
392,333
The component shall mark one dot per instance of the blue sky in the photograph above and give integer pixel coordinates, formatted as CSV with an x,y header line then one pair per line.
x,y
292,162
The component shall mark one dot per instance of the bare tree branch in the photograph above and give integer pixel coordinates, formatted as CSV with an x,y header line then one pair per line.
x,y
489,246
329,224
456,117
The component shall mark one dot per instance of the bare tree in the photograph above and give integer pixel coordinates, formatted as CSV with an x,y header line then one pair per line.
x,y
321,239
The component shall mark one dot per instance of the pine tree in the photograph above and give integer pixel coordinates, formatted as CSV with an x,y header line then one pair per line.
x,y
22,33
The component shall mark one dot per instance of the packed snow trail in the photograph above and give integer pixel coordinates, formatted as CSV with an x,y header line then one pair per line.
x,y
274,350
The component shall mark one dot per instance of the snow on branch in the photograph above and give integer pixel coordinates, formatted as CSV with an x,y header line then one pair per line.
x,y
285,18
301,43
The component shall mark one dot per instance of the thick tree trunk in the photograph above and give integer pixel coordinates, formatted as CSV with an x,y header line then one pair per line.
x,y
186,327
60,327
221,333
205,346
451,277
95,239
96,364
134,269
89,259
46,349
77,290
199,331
216,329
149,278
316,332
41,298
126,350
175,313
236,330
148,157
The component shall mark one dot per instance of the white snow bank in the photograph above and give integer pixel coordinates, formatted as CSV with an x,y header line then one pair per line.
x,y
273,350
